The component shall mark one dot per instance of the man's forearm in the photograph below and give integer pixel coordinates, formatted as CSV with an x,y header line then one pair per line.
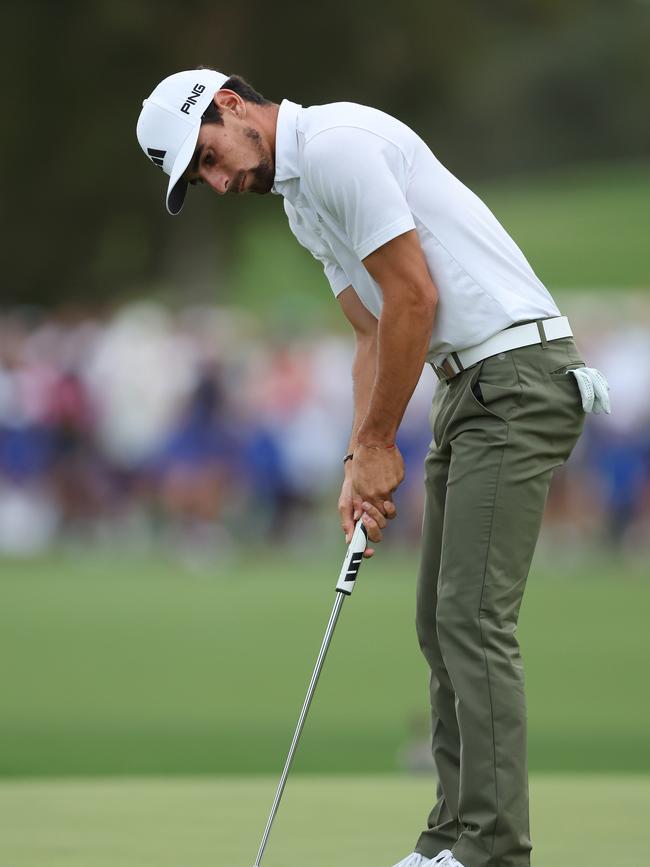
x,y
364,371
403,338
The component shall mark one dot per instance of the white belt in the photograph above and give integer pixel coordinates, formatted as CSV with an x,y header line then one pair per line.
x,y
510,338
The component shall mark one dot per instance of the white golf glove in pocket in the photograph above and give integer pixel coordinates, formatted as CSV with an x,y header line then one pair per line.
x,y
594,389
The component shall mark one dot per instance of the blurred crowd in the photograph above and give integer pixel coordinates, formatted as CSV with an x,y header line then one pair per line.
x,y
196,431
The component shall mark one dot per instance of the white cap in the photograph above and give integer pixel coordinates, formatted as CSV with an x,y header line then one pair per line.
x,y
169,125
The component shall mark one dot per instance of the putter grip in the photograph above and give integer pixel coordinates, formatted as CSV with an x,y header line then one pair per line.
x,y
353,559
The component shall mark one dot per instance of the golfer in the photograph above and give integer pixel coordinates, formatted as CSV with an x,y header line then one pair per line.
x,y
424,273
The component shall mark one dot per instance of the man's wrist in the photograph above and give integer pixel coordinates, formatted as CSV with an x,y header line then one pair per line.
x,y
384,438
376,446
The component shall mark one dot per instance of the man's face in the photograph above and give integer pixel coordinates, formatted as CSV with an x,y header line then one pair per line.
x,y
232,157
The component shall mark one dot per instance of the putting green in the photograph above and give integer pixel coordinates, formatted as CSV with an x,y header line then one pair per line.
x,y
119,667
344,821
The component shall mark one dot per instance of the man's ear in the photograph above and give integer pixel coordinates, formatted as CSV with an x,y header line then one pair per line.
x,y
228,100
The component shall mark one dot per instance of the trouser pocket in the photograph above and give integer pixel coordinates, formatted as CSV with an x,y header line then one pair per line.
x,y
495,386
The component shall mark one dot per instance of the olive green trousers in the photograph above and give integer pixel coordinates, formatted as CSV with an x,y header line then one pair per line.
x,y
499,430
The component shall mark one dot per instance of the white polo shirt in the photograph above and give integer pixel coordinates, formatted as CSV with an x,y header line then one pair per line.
x,y
353,178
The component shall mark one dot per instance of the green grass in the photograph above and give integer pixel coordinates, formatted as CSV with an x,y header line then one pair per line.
x,y
580,229
324,821
583,228
118,666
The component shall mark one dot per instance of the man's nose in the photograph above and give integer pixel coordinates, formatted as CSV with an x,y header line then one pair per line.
x,y
219,181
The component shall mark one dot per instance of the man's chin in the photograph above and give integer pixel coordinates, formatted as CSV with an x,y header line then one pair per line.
x,y
260,189
262,180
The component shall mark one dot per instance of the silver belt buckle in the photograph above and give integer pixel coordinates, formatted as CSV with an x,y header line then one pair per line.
x,y
445,370
439,372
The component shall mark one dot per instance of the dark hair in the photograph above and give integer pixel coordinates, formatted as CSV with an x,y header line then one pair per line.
x,y
236,83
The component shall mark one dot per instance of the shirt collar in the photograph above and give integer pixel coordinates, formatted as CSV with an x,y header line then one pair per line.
x,y
286,143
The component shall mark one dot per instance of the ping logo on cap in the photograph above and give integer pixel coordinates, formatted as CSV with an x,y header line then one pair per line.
x,y
197,90
157,156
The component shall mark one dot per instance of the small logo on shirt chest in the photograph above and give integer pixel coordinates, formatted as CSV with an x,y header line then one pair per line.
x,y
318,217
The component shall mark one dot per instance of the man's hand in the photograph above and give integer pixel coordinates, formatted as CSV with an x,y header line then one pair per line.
x,y
352,507
350,510
376,472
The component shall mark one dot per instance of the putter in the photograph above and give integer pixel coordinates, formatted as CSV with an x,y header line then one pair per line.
x,y
344,587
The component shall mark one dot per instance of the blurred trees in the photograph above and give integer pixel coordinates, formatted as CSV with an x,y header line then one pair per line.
x,y
494,87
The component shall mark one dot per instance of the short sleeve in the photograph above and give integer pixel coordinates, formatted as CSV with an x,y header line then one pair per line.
x,y
336,276
360,179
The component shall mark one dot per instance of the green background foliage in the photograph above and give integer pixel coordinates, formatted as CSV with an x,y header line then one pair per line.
x,y
497,89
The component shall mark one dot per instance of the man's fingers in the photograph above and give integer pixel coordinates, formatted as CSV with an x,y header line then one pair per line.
x,y
374,531
389,509
375,520
376,514
349,523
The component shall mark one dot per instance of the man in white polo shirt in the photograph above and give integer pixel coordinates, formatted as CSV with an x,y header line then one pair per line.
x,y
424,272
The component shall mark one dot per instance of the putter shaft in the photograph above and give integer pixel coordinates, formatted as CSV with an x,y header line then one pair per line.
x,y
334,616
344,587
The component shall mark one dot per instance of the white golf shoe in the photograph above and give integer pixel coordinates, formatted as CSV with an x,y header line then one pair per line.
x,y
413,860
444,859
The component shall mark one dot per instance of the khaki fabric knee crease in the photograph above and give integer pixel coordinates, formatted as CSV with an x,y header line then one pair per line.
x,y
500,428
